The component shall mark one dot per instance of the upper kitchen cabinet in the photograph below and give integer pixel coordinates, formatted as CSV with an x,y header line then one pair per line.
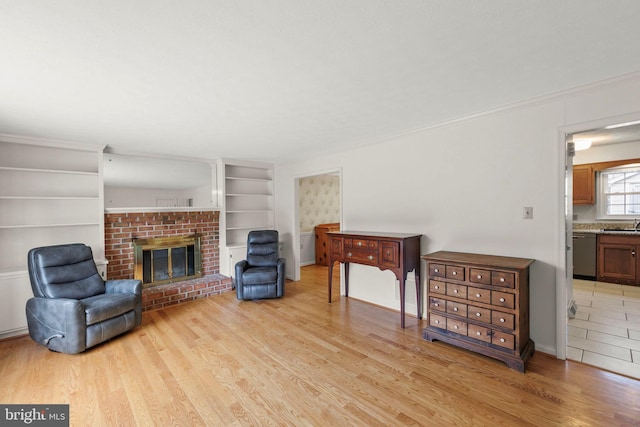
x,y
583,185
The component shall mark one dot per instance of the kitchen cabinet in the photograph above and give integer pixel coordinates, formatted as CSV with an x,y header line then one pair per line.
x,y
618,260
584,189
583,185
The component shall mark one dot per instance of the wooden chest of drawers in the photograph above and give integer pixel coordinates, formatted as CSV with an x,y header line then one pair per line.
x,y
322,242
480,303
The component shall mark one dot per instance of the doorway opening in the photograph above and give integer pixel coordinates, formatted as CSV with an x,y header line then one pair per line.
x,y
318,202
587,308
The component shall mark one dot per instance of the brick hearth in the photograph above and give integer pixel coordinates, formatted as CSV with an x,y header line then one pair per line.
x,y
122,228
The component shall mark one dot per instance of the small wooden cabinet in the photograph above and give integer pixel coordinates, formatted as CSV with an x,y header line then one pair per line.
x,y
583,185
480,303
322,242
618,259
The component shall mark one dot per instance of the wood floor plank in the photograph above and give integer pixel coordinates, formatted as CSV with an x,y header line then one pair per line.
x,y
301,361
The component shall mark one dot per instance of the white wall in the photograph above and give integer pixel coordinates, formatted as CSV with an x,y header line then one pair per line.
x,y
124,197
464,185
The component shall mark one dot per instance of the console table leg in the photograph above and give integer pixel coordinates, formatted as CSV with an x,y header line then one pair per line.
x,y
346,279
330,279
402,293
418,296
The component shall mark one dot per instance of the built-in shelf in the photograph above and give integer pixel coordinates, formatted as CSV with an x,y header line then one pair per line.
x,y
153,209
51,194
248,205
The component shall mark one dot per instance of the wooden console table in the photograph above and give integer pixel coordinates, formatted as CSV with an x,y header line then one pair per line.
x,y
397,252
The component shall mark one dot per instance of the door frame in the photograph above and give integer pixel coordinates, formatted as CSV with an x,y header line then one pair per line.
x,y
564,277
296,209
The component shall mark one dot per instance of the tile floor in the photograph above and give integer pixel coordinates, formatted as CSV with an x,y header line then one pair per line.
x,y
606,330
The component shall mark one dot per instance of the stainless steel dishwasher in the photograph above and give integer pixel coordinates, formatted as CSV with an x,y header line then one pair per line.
x,y
584,255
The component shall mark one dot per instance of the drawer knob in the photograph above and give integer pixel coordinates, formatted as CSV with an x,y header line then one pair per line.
x,y
436,304
349,254
436,321
359,243
501,299
478,295
436,270
436,287
501,339
501,320
370,257
478,314
479,276
455,273
455,291
455,327
455,308
478,333
502,279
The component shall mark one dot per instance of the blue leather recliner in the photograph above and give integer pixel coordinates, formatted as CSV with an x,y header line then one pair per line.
x,y
73,308
261,275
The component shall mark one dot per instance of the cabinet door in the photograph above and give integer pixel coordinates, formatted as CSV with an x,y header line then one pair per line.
x,y
583,185
617,262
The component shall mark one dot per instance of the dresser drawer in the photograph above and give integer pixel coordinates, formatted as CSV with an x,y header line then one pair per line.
x,y
457,326
507,341
436,270
481,295
454,272
503,299
481,314
365,244
438,304
437,287
454,290
479,332
503,278
503,319
437,321
457,308
477,275
336,247
361,256
390,254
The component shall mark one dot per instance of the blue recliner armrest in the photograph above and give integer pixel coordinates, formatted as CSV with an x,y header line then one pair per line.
x,y
123,286
58,324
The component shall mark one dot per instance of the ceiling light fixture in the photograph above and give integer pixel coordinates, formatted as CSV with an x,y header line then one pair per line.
x,y
621,125
582,144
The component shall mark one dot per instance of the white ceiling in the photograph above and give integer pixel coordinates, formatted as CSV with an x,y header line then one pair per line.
x,y
280,80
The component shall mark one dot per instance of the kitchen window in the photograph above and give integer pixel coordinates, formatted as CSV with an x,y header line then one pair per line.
x,y
619,193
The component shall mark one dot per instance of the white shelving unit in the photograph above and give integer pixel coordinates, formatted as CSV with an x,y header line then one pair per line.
x,y
51,193
248,205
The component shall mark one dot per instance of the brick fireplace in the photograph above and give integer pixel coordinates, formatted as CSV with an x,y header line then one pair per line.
x,y
121,229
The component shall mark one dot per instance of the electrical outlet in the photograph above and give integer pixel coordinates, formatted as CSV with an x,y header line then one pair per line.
x,y
527,212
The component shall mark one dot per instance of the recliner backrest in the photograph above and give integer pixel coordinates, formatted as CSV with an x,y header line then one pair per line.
x,y
262,248
64,271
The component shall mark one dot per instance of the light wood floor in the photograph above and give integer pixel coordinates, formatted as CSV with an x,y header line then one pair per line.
x,y
301,361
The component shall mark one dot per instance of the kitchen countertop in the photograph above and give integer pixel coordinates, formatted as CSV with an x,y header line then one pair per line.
x,y
606,231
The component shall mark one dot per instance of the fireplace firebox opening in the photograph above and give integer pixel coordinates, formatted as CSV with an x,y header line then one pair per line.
x,y
169,259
